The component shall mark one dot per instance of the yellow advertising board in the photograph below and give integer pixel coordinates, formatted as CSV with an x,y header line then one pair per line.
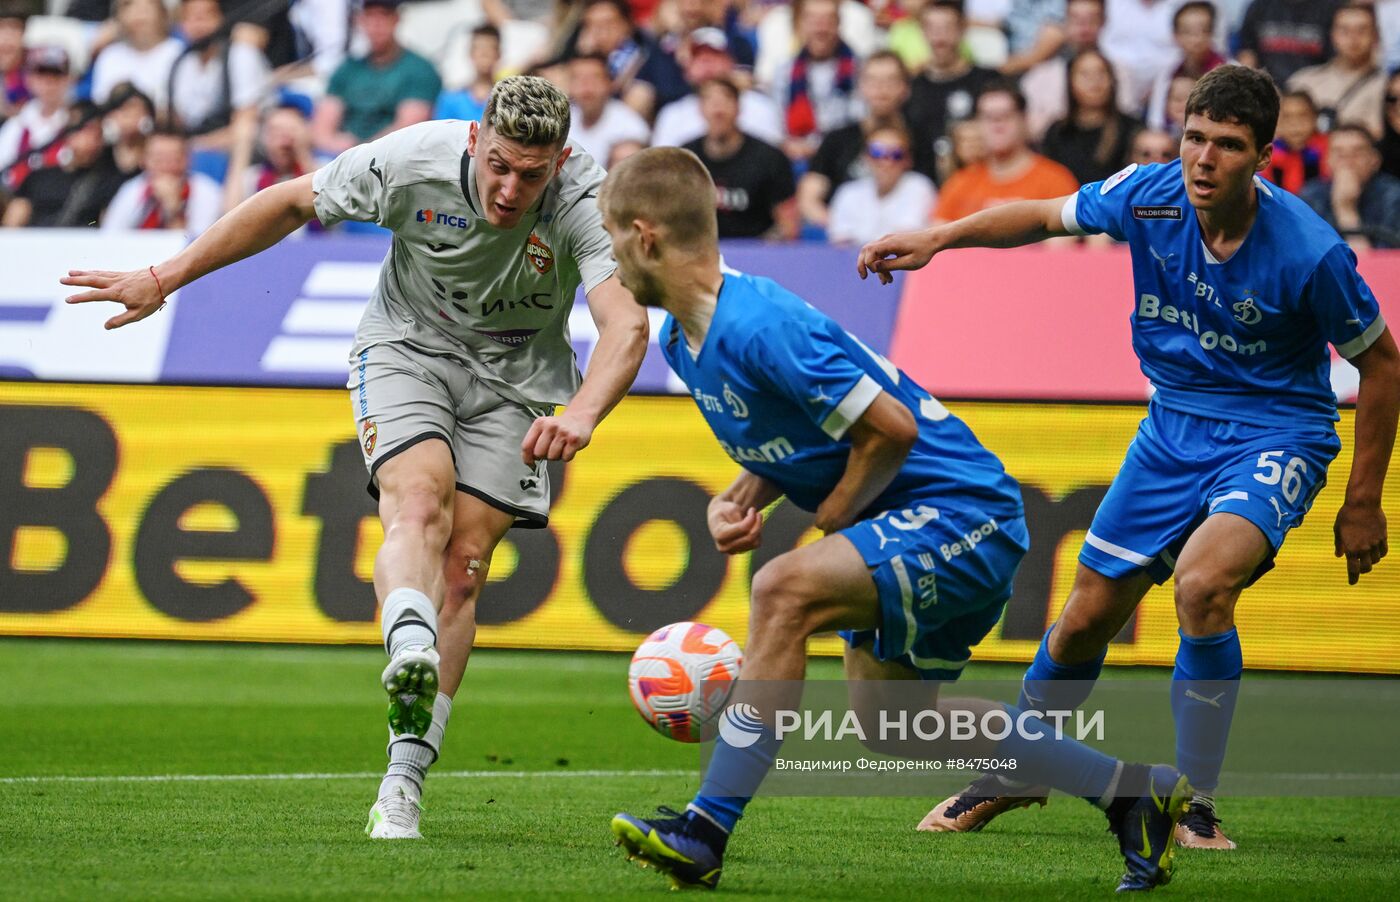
x,y
240,514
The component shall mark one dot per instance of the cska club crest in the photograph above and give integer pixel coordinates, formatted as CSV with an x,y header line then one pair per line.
x,y
539,255
371,436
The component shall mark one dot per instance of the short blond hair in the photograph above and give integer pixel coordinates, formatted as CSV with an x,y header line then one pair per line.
x,y
528,109
668,186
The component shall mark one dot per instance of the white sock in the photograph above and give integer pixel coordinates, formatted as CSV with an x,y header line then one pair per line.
x,y
410,757
408,619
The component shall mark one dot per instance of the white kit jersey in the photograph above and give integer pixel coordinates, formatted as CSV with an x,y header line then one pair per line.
x,y
453,285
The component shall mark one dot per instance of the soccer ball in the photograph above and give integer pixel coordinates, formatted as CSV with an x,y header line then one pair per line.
x,y
667,678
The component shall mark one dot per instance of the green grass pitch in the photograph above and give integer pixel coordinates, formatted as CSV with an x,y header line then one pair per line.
x,y
534,825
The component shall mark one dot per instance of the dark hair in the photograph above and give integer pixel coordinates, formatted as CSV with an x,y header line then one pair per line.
x,y
1113,125
623,9
888,56
17,9
727,85
1098,3
1002,86
487,31
953,6
81,112
1194,5
1235,93
598,58
126,91
1353,128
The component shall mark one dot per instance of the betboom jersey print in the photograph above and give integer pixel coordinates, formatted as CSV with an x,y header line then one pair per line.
x,y
452,284
1244,339
780,383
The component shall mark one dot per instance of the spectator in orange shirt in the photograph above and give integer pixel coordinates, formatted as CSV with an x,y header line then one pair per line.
x,y
1010,170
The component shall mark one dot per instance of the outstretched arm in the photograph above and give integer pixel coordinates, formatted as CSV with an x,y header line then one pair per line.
x,y
249,228
622,343
1009,225
1360,529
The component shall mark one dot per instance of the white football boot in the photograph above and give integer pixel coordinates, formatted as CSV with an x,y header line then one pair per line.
x,y
395,816
411,679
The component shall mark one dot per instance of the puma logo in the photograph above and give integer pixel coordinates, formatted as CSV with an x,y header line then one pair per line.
x,y
1213,702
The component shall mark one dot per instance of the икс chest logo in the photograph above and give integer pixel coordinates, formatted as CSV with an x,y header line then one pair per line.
x,y
539,255
432,217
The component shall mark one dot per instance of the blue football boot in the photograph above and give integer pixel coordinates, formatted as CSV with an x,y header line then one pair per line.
x,y
1146,827
688,848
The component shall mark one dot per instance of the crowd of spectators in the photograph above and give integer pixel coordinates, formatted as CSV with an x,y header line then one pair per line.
x,y
829,120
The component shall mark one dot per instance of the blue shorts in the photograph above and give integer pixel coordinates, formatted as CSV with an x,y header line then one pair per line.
x,y
943,576
1181,468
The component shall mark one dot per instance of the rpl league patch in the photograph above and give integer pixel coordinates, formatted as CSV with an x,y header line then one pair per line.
x,y
371,436
1113,181
539,254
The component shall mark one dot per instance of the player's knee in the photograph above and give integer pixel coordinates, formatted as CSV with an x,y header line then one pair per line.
x,y
778,602
422,510
465,566
1077,637
1205,600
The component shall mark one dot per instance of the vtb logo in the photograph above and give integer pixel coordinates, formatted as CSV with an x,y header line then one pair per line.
x,y
447,219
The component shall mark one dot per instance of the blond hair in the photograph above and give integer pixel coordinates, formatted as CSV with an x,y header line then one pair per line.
x,y
668,186
528,109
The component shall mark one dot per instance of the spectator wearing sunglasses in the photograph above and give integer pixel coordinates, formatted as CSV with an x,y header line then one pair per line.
x,y
891,198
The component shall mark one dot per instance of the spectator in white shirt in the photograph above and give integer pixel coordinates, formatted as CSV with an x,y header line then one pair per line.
x,y
598,121
166,195
1138,40
41,118
218,84
680,121
890,199
142,56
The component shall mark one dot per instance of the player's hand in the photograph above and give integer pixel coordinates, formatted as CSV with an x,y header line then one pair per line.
x,y
903,250
555,438
136,290
734,529
831,517
1360,537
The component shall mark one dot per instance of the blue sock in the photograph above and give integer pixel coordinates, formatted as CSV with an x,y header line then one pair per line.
x,y
1205,686
1066,764
1051,686
733,777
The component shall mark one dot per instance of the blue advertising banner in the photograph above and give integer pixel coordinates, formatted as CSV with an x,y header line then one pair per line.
x,y
287,316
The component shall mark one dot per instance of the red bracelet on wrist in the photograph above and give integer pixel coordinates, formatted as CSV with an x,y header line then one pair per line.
x,y
158,285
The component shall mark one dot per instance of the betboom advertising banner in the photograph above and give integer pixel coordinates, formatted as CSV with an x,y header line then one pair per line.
x,y
240,514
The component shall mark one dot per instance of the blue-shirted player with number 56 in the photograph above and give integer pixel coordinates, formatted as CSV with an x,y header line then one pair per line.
x,y
923,528
1239,288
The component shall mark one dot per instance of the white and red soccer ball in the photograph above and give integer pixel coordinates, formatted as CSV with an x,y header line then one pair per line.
x,y
681,677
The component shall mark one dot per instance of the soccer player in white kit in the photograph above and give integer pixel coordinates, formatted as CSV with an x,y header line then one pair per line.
x,y
458,363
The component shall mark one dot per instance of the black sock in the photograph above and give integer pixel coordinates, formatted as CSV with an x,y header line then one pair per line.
x,y
1132,785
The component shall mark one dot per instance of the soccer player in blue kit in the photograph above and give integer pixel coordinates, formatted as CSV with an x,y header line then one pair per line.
x,y
923,527
1239,289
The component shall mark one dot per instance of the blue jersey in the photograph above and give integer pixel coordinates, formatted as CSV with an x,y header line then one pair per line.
x,y
780,383
1245,339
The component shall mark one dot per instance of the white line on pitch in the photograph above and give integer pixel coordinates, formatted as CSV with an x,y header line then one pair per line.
x,y
357,775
